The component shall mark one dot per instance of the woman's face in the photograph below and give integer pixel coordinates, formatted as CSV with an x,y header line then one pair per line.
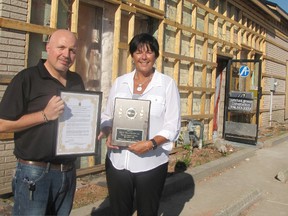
x,y
144,59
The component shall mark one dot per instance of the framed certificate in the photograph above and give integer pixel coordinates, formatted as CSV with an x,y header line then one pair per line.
x,y
79,125
130,121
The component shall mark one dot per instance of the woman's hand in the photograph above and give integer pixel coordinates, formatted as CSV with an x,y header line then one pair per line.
x,y
141,147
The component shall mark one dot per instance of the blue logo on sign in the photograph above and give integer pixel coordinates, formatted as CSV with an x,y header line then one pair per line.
x,y
244,71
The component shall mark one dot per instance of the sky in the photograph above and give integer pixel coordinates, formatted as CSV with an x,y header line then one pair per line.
x,y
281,3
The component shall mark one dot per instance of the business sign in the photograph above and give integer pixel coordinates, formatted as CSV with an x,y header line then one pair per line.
x,y
240,101
244,71
240,104
243,95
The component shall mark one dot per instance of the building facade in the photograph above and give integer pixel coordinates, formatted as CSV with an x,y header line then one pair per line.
x,y
216,50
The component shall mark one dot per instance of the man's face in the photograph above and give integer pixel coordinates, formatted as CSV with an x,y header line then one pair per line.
x,y
61,51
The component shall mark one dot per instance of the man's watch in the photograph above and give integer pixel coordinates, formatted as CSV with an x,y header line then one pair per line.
x,y
154,144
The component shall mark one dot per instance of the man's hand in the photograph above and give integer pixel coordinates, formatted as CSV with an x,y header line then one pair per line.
x,y
54,108
106,132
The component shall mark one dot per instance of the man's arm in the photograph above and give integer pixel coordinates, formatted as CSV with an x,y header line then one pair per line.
x,y
52,111
22,123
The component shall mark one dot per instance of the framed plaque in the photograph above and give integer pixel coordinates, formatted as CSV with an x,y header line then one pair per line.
x,y
130,122
79,124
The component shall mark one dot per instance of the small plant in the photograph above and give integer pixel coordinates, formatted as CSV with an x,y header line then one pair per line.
x,y
183,163
187,159
224,154
180,140
205,154
188,148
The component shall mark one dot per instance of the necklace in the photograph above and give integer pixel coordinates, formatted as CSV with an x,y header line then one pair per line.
x,y
139,86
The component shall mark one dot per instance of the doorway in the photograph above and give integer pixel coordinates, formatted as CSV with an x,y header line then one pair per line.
x,y
88,62
89,43
222,63
242,101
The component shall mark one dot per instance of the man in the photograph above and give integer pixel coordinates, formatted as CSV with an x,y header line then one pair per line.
x,y
44,184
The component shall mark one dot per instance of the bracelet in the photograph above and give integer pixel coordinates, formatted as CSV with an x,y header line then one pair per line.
x,y
44,116
154,144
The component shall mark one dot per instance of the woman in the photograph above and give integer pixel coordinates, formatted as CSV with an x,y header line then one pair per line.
x,y
141,168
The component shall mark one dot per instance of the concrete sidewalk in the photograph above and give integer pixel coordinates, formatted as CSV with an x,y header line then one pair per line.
x,y
225,187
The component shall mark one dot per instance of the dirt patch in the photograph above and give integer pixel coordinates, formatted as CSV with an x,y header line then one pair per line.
x,y
90,191
276,129
92,188
6,203
180,159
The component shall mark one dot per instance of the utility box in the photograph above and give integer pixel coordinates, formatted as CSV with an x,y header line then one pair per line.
x,y
273,85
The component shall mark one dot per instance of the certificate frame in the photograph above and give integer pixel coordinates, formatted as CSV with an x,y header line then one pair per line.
x,y
79,124
130,121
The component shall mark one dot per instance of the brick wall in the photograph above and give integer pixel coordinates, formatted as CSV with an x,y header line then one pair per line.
x,y
12,48
12,43
268,84
12,60
274,68
7,166
278,102
277,116
276,52
279,70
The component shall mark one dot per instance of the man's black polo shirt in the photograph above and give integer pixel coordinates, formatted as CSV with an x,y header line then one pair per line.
x,y
30,91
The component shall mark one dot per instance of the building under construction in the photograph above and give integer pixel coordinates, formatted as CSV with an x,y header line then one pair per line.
x,y
228,57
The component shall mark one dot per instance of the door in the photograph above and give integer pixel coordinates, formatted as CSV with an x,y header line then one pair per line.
x,y
89,46
89,60
242,98
222,63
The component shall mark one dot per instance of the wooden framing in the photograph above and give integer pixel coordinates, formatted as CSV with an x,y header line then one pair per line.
x,y
239,33
131,31
26,27
177,50
214,70
286,94
117,26
248,36
204,69
247,32
232,28
54,14
224,27
161,29
264,45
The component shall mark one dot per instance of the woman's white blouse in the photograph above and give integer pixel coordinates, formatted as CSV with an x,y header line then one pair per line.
x,y
165,120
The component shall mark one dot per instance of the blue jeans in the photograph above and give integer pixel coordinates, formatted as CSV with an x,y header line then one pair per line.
x,y
52,194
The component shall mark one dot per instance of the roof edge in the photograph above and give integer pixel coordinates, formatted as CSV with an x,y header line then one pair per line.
x,y
266,9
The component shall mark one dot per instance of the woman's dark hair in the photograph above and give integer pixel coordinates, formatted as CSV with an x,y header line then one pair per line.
x,y
144,39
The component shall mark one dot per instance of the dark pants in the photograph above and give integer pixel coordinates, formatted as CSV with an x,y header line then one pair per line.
x,y
147,186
